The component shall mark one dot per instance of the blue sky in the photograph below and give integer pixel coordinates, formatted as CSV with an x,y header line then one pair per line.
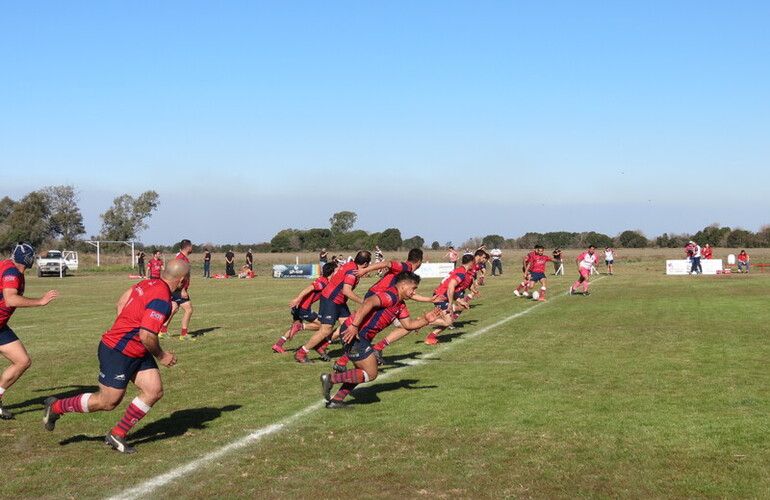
x,y
445,119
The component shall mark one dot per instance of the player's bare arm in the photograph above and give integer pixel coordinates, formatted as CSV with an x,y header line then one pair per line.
x,y
13,299
347,291
296,300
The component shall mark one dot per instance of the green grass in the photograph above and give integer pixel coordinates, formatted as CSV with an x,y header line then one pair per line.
x,y
652,387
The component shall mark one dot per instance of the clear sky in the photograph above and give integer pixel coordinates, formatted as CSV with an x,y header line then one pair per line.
x,y
446,119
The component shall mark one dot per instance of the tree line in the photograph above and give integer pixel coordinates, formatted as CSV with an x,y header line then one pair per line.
x,y
52,213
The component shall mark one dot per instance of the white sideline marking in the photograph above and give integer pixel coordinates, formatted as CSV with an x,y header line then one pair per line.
x,y
151,485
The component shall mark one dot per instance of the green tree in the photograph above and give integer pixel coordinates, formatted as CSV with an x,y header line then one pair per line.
x,y
739,238
353,240
342,222
632,239
66,219
713,235
125,219
435,245
413,242
29,221
286,240
390,239
6,208
316,239
492,241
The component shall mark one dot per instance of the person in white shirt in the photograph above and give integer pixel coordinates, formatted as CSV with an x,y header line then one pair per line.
x,y
609,259
497,262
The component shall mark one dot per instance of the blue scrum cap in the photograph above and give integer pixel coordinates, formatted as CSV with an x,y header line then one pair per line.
x,y
24,254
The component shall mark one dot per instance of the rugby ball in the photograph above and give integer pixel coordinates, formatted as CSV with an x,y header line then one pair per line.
x,y
535,295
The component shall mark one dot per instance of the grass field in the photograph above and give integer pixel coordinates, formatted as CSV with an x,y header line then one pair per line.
x,y
652,387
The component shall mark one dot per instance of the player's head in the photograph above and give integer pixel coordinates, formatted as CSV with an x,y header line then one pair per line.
x,y
591,248
175,273
328,269
406,283
363,258
414,256
539,249
23,254
156,254
467,258
481,255
185,245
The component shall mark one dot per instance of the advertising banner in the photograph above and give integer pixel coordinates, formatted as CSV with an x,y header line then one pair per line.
x,y
296,271
435,270
682,266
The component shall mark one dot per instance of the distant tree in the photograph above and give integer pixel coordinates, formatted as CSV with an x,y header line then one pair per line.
x,y
6,208
286,240
713,235
472,243
316,239
413,242
66,219
632,239
390,239
448,244
739,238
29,221
353,240
125,219
529,240
598,240
492,240
560,239
435,245
342,222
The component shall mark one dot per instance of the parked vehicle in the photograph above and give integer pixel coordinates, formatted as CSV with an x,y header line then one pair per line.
x,y
57,263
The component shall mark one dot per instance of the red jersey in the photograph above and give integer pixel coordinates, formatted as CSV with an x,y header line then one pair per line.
x,y
147,308
154,266
391,307
537,262
708,253
457,275
344,276
10,278
183,257
318,286
387,281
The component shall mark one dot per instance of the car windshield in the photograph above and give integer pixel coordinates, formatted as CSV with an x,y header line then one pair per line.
x,y
53,255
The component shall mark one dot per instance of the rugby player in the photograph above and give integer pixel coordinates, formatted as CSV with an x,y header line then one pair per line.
x,y
11,297
126,354
358,330
181,298
585,262
155,265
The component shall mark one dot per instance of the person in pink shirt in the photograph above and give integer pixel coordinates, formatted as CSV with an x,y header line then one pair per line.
x,y
585,262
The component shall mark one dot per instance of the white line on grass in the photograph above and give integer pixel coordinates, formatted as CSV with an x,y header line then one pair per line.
x,y
151,485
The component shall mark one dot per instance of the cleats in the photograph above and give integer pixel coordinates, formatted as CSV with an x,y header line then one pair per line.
x,y
49,416
542,299
525,294
378,355
322,354
571,291
586,293
118,444
517,293
279,349
295,327
326,386
339,405
188,337
431,340
164,335
302,358
5,414
339,368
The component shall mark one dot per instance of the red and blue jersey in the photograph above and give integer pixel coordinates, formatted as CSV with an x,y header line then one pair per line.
x,y
155,266
537,262
457,275
183,257
345,275
391,307
318,286
10,278
387,281
147,308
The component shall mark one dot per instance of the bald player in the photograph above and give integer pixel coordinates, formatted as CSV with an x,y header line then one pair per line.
x,y
127,352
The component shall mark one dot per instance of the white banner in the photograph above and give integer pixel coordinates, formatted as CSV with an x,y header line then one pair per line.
x,y
683,266
435,270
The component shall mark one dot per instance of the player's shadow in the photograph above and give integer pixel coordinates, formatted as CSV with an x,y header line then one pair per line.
x,y
36,403
368,394
203,331
175,425
463,324
399,360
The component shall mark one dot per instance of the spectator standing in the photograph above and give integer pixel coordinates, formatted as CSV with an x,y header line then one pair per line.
x,y
695,259
609,259
250,260
140,263
557,261
323,256
206,263
229,263
497,261
707,251
453,256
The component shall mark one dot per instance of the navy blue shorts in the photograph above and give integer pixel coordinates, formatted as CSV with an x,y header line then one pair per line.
x,y
7,336
359,349
536,276
303,314
331,312
177,297
116,369
442,305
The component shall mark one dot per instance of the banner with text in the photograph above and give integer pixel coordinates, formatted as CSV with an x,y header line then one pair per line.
x,y
296,271
683,266
435,270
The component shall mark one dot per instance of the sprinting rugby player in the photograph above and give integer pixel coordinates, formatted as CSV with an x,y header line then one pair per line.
x,y
11,297
181,298
585,262
126,355
534,266
447,292
334,306
303,317
358,330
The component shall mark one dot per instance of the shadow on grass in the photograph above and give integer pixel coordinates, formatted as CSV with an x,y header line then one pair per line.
x,y
368,394
175,425
36,404
203,331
